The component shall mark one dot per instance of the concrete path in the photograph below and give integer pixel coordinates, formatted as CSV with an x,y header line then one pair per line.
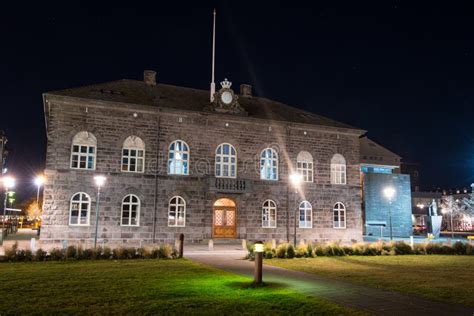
x,y
379,302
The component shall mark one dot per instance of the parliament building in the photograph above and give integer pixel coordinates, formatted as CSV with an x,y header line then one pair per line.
x,y
177,160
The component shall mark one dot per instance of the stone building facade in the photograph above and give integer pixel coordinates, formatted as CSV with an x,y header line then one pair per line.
x,y
167,154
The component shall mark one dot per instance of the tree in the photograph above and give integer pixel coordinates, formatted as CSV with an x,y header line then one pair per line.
x,y
33,211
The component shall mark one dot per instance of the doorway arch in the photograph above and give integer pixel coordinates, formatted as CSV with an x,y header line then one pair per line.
x,y
224,222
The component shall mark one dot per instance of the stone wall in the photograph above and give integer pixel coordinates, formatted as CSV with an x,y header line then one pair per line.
x,y
377,207
112,124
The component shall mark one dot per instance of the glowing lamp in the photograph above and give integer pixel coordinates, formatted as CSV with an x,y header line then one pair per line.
x,y
389,192
99,181
258,247
8,182
296,179
40,180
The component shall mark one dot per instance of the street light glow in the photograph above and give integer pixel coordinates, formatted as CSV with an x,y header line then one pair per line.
x,y
99,181
40,180
295,179
8,182
389,192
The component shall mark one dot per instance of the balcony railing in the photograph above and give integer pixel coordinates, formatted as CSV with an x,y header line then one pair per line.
x,y
229,185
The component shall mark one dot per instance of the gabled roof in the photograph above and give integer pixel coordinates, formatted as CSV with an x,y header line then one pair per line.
x,y
373,153
181,98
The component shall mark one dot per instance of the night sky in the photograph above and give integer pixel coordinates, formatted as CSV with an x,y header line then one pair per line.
x,y
402,71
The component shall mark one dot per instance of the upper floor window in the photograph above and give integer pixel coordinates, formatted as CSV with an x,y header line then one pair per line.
x,y
338,169
226,161
304,166
178,158
306,215
269,214
269,164
83,151
79,209
339,215
130,210
133,154
177,212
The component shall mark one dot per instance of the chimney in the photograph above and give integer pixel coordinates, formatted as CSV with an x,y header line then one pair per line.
x,y
245,90
149,77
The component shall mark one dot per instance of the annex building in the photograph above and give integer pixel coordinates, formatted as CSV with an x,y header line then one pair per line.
x,y
176,162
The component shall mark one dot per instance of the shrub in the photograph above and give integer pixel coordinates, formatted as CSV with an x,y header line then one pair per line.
x,y
56,254
419,249
447,250
367,250
106,253
459,248
40,255
337,250
319,251
348,251
119,253
309,251
290,251
301,251
433,249
281,251
269,254
402,248
85,254
10,253
71,253
469,249
165,251
250,254
143,253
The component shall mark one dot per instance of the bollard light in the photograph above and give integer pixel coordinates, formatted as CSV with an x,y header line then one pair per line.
x,y
258,253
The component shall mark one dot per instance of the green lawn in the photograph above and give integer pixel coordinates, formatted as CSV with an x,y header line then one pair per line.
x,y
444,278
143,287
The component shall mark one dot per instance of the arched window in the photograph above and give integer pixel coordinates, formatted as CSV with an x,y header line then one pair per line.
x,y
306,215
130,210
226,161
339,215
133,154
269,164
338,169
83,151
177,212
269,214
178,158
304,166
79,210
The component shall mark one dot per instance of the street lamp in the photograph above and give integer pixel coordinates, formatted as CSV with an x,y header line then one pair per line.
x,y
8,183
295,179
99,182
39,181
389,193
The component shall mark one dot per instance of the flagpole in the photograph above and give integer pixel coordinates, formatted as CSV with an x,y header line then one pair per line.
x,y
213,84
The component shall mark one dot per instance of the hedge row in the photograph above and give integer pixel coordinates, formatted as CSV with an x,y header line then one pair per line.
x,y
14,254
286,250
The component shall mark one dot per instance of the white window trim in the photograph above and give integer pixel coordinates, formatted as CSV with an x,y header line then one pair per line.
x,y
301,170
79,214
221,155
182,151
343,209
271,159
271,206
310,209
337,170
178,198
139,204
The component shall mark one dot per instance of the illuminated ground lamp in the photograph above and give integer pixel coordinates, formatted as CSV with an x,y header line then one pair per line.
x,y
258,252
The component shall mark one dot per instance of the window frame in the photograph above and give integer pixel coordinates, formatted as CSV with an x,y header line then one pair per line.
x,y
80,202
130,204
177,205
264,160
182,152
221,163
77,141
338,170
305,209
337,209
304,171
137,158
267,211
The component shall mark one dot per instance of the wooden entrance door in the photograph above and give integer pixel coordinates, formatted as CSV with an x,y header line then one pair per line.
x,y
225,219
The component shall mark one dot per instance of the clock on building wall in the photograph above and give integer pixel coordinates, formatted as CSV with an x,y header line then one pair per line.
x,y
225,100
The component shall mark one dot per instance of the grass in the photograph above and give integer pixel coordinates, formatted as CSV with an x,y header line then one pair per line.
x,y
437,277
144,287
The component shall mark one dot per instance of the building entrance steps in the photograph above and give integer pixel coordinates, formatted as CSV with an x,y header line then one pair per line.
x,y
379,302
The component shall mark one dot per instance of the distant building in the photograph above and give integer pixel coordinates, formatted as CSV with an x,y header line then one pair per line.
x,y
380,168
413,169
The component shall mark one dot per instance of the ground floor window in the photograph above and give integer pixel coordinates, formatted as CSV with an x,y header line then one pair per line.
x,y
130,210
80,209
306,215
269,214
177,212
339,215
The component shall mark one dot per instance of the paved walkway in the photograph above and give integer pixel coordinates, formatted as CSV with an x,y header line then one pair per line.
x,y
379,302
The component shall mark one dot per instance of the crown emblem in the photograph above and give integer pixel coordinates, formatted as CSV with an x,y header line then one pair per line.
x,y
226,84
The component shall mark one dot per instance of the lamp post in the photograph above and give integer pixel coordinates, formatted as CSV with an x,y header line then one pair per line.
x,y
295,179
389,193
99,182
8,183
258,272
39,181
